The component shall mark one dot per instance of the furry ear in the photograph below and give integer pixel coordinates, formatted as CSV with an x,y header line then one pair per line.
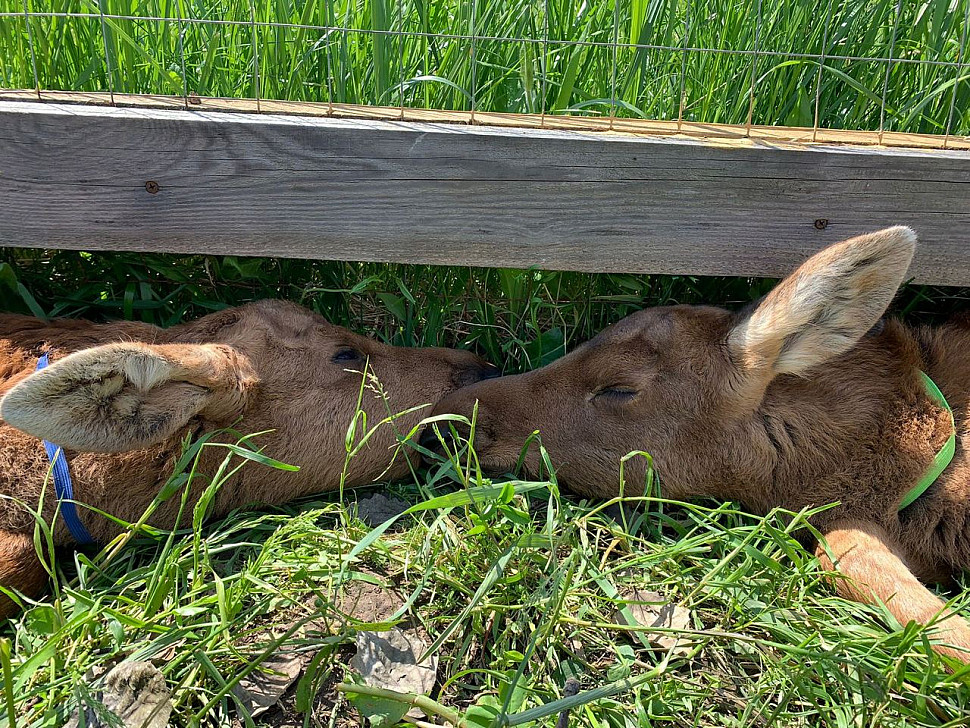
x,y
824,307
126,396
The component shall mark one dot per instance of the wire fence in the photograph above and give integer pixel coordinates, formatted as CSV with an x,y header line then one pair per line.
x,y
883,66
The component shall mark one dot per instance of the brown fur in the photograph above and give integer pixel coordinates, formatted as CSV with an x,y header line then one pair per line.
x,y
265,366
796,403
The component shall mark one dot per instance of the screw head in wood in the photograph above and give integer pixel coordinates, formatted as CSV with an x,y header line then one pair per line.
x,y
151,187
821,223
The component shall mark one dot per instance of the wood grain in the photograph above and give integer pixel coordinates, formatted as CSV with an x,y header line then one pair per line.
x,y
721,133
380,190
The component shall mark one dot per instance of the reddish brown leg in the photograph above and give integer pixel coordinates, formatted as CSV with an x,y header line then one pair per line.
x,y
20,570
876,572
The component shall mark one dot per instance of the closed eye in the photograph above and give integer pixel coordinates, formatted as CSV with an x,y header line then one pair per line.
x,y
615,394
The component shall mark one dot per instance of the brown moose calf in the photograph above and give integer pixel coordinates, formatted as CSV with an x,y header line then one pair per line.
x,y
121,397
804,399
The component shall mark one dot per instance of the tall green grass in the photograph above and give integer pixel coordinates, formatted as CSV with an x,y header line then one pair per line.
x,y
550,56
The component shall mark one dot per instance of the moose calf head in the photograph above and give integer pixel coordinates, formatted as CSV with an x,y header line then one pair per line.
x,y
270,367
805,399
686,383
800,400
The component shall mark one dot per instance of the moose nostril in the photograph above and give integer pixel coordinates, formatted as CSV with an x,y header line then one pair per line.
x,y
476,373
429,439
490,371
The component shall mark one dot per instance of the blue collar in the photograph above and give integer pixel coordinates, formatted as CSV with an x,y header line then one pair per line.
x,y
63,486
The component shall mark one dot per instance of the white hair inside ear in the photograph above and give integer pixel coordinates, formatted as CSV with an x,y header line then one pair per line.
x,y
822,309
122,397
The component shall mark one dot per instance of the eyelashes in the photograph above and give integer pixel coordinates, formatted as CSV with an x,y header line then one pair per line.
x,y
617,395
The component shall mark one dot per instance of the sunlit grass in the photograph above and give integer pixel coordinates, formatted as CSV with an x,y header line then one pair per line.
x,y
517,585
676,56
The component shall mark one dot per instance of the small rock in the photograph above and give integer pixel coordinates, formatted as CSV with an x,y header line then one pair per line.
x,y
378,508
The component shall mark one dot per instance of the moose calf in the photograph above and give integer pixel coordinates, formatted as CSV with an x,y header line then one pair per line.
x,y
121,397
806,398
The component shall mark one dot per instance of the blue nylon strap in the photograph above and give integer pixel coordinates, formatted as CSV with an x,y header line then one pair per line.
x,y
63,486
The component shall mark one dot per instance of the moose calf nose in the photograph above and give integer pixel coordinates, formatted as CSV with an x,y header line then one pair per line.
x,y
490,371
476,372
430,441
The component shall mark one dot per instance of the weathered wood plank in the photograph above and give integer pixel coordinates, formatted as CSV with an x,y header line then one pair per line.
x,y
75,177
726,133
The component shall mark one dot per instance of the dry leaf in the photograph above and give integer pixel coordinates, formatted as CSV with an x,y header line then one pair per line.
x,y
389,660
264,685
134,691
262,688
651,609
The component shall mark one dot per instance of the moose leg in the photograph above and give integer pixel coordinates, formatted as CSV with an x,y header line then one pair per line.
x,y
20,570
875,572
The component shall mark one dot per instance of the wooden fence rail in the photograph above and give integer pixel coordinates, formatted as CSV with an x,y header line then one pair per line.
x,y
154,179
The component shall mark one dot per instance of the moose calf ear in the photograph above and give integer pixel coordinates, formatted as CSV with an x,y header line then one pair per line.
x,y
824,307
126,396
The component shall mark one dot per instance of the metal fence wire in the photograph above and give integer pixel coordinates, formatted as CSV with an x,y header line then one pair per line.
x,y
878,66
